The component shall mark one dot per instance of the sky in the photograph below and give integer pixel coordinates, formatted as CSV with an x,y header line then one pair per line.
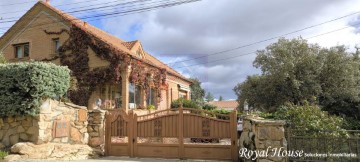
x,y
196,38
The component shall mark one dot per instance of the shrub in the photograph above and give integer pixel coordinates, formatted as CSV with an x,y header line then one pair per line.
x,y
186,103
209,107
3,154
151,107
221,111
23,86
309,120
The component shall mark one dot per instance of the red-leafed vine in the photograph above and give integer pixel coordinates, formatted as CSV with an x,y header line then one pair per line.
x,y
73,53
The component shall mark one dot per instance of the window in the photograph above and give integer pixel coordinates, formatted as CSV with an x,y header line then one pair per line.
x,y
21,50
56,45
183,94
150,100
134,96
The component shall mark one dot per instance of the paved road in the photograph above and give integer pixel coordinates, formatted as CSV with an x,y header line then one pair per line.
x,y
123,159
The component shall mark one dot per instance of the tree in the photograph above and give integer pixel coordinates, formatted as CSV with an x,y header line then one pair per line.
x,y
221,98
209,97
295,71
197,93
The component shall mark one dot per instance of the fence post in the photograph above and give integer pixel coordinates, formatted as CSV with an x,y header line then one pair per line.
x,y
181,132
233,134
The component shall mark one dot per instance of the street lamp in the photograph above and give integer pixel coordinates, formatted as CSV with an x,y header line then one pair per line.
x,y
246,107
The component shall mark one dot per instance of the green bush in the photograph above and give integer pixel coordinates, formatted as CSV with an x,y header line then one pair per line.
x,y
23,86
151,107
209,107
186,103
309,120
221,111
3,154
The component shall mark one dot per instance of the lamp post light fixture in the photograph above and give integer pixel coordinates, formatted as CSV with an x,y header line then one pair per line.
x,y
246,107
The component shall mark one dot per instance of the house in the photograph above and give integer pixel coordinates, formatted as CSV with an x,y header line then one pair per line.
x,y
109,72
226,105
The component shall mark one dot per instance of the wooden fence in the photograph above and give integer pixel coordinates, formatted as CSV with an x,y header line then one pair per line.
x,y
173,133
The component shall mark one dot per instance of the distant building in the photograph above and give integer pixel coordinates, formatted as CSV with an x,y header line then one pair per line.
x,y
226,105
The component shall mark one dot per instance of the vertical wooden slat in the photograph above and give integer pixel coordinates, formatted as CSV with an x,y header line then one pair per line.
x,y
131,127
135,135
107,135
168,129
181,133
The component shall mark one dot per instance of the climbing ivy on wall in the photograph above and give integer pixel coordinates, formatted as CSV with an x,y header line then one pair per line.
x,y
74,54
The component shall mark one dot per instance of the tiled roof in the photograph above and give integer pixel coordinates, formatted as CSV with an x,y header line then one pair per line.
x,y
115,42
129,45
225,104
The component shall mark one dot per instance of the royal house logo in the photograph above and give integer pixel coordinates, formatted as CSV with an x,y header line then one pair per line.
x,y
283,153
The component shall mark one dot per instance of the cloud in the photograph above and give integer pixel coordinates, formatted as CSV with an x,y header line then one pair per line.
x,y
195,30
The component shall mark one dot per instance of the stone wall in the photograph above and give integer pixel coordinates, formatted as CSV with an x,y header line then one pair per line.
x,y
42,128
266,137
96,128
15,129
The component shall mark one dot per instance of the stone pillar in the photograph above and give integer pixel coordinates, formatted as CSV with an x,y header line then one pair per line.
x,y
265,136
96,128
125,88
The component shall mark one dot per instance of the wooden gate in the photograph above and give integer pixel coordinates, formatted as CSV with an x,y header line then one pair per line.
x,y
173,133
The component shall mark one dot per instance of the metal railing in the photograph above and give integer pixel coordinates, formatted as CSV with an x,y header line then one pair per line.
x,y
324,145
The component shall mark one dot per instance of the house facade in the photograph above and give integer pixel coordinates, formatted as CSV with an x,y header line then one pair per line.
x,y
108,72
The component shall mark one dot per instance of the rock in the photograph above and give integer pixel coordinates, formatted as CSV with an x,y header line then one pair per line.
x,y
24,137
12,157
10,120
14,139
83,130
5,126
94,134
19,118
14,124
54,151
27,122
32,130
2,146
85,140
6,141
1,134
33,151
65,139
75,135
20,129
95,141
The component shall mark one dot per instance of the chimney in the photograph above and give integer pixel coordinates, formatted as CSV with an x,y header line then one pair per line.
x,y
85,24
47,1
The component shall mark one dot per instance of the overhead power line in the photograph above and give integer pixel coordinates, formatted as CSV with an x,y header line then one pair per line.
x,y
254,52
172,3
123,13
267,39
12,4
54,6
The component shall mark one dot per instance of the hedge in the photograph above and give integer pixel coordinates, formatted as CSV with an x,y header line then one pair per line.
x,y
186,103
23,86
